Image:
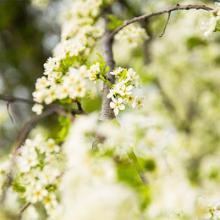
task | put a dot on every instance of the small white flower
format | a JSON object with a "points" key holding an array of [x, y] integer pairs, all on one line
{"points": [[62, 91], [117, 105], [37, 108], [210, 26], [48, 175], [111, 93], [137, 102], [39, 95], [132, 34], [36, 193], [94, 72], [42, 83], [51, 146], [50, 203], [50, 95], [27, 158], [117, 71], [51, 65]]}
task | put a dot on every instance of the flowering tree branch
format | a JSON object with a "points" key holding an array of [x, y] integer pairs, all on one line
{"points": [[166, 11], [24, 132], [27, 128], [107, 112]]}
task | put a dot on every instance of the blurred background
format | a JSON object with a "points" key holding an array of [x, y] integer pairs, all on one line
{"points": [[179, 71], [27, 36]]}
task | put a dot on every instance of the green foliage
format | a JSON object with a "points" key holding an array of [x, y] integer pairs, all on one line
{"points": [[64, 124], [128, 174], [51, 188], [194, 41], [217, 27], [148, 164], [17, 187], [91, 104], [114, 22], [104, 68]]}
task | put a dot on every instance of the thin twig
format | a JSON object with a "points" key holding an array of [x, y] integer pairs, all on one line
{"points": [[169, 10], [79, 105], [165, 26], [10, 113], [12, 99], [22, 210]]}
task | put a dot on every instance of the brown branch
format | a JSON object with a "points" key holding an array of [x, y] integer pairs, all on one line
{"points": [[26, 129], [106, 111], [166, 11], [22, 210], [12, 99], [57, 108]]}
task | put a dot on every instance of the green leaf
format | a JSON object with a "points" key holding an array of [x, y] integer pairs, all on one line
{"points": [[91, 104], [217, 27], [51, 188], [102, 63], [148, 164], [127, 173], [114, 22], [144, 195], [64, 124], [17, 187], [195, 41]]}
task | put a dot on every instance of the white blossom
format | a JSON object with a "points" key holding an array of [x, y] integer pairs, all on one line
{"points": [[117, 105], [37, 108], [132, 34]]}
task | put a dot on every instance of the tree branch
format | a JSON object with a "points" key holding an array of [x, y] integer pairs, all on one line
{"points": [[23, 210], [26, 129], [11, 99], [166, 11], [57, 108], [106, 111]]}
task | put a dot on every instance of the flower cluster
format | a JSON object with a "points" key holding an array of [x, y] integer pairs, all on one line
{"points": [[214, 212], [65, 73], [94, 72], [213, 25], [38, 173], [90, 182], [121, 93], [133, 35], [74, 84], [142, 135], [93, 181]]}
